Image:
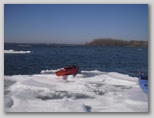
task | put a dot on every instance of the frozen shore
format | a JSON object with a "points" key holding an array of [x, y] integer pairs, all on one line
{"points": [[89, 91]]}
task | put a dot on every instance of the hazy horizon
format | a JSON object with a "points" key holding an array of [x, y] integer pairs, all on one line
{"points": [[74, 23]]}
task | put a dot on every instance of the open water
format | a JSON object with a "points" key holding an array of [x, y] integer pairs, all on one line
{"points": [[126, 60]]}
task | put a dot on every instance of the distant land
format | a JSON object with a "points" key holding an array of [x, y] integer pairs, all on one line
{"points": [[53, 44], [116, 42], [96, 42]]}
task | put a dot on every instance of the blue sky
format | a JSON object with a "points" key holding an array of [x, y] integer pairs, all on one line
{"points": [[74, 23]]}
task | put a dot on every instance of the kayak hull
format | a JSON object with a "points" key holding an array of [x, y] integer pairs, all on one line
{"points": [[144, 85], [71, 70], [143, 82]]}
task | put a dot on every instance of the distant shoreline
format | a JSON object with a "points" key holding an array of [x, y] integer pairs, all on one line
{"points": [[96, 42], [45, 44], [117, 42]]}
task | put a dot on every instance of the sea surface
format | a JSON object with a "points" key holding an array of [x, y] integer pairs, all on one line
{"points": [[28, 59]]}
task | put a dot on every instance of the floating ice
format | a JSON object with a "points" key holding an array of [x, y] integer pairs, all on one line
{"points": [[16, 52], [89, 91]]}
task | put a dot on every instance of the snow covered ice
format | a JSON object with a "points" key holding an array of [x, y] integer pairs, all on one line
{"points": [[89, 91]]}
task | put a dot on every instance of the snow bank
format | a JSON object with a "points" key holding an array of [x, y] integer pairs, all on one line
{"points": [[89, 91], [16, 52]]}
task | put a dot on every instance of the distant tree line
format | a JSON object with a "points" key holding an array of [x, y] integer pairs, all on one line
{"points": [[116, 42]]}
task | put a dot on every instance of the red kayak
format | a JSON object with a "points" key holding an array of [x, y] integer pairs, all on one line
{"points": [[71, 70]]}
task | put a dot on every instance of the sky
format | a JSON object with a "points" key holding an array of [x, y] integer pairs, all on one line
{"points": [[74, 23]]}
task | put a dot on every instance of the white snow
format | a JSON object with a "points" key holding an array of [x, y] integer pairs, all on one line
{"points": [[89, 91], [16, 52]]}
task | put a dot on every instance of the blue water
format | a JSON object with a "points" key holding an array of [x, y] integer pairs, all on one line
{"points": [[126, 60]]}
